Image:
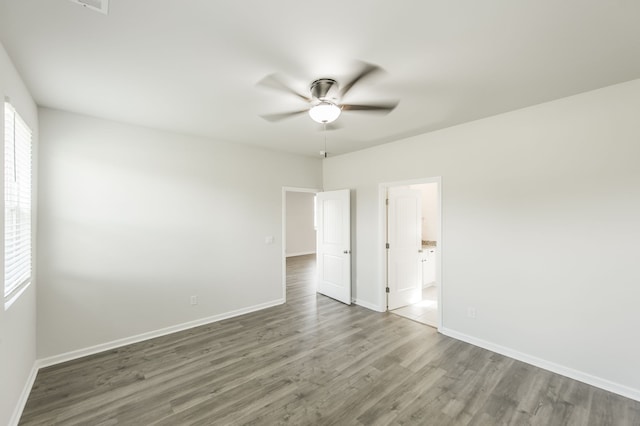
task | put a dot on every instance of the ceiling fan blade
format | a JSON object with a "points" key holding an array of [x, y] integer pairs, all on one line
{"points": [[274, 81], [283, 115], [388, 107], [367, 70]]}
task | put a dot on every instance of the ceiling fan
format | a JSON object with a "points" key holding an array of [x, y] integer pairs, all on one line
{"points": [[325, 97]]}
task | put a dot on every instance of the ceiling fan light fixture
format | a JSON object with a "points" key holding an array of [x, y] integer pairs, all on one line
{"points": [[324, 112]]}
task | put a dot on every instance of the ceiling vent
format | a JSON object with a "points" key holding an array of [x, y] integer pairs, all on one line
{"points": [[101, 6]]}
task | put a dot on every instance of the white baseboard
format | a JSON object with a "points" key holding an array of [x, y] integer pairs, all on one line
{"points": [[547, 365], [302, 253], [22, 401], [368, 305], [68, 356]]}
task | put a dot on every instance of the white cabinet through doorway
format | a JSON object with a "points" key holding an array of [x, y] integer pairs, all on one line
{"points": [[428, 266]]}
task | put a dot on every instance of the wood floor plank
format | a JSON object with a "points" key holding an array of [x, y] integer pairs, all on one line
{"points": [[313, 361]]}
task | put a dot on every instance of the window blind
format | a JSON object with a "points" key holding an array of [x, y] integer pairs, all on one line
{"points": [[17, 201]]}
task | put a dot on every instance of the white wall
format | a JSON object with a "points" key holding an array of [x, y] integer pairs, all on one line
{"points": [[18, 323], [541, 226], [134, 221], [429, 198], [301, 235]]}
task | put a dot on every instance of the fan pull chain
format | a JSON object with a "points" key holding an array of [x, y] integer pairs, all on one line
{"points": [[325, 138]]}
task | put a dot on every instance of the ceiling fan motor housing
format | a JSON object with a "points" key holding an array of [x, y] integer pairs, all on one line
{"points": [[323, 88]]}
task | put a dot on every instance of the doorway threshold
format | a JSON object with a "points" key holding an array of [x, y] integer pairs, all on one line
{"points": [[424, 311]]}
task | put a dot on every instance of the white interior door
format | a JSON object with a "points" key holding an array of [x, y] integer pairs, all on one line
{"points": [[404, 238], [334, 244]]}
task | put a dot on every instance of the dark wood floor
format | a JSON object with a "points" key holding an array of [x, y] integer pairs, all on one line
{"points": [[313, 361]]}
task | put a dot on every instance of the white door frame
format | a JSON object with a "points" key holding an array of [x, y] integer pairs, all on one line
{"points": [[382, 229], [286, 189]]}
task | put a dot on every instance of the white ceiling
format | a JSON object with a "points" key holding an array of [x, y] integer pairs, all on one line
{"points": [[192, 66]]}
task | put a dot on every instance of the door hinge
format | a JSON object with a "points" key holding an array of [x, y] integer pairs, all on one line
{"points": [[387, 245], [387, 289], [386, 201]]}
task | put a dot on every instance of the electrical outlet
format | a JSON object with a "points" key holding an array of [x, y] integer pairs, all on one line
{"points": [[471, 312], [194, 300], [268, 240]]}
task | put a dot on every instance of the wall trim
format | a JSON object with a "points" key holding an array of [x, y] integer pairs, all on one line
{"points": [[302, 253], [571, 373], [69, 356], [24, 396], [368, 305]]}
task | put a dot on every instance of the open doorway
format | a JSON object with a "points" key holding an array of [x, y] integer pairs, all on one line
{"points": [[298, 232], [412, 234]]}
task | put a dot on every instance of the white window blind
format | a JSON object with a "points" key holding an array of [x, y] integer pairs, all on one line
{"points": [[17, 202]]}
